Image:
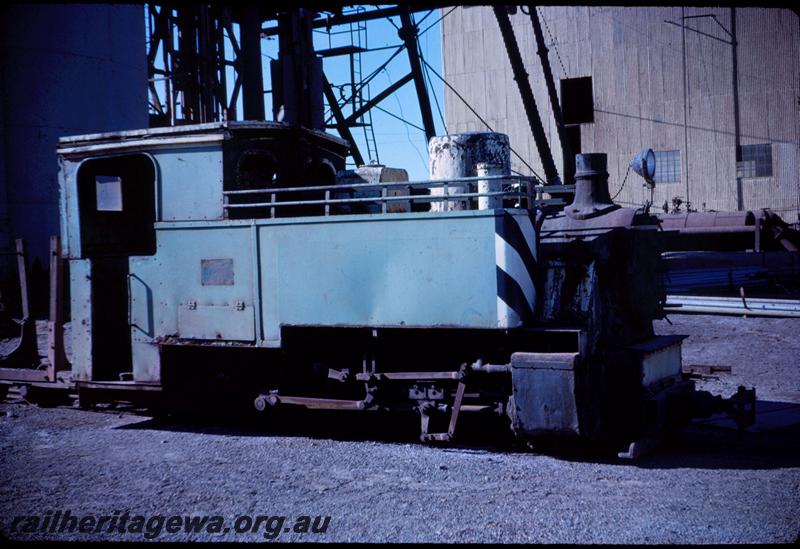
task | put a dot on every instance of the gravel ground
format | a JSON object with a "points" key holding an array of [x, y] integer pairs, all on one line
{"points": [[762, 352], [709, 485]]}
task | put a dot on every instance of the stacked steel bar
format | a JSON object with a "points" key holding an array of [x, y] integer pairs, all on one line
{"points": [[688, 272], [733, 306]]}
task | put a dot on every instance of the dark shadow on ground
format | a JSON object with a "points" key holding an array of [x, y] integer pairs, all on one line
{"points": [[714, 443], [485, 434], [772, 442]]}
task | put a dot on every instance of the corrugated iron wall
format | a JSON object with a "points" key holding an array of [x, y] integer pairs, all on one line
{"points": [[636, 61]]}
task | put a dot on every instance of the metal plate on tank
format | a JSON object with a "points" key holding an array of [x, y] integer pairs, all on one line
{"points": [[216, 272], [225, 322]]}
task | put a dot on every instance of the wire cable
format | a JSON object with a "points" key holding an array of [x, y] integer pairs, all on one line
{"points": [[429, 84], [555, 47], [446, 83], [376, 72], [435, 22], [424, 18], [408, 135], [624, 179], [397, 117]]}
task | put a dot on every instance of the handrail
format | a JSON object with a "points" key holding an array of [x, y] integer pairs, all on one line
{"points": [[514, 187], [413, 184], [382, 199]]}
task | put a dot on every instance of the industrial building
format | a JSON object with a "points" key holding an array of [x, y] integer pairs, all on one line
{"points": [[244, 250], [248, 311], [64, 69], [695, 84]]}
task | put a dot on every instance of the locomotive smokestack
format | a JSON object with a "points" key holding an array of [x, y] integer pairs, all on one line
{"points": [[591, 187]]}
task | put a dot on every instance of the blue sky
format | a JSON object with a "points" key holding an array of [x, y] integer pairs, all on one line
{"points": [[398, 144]]}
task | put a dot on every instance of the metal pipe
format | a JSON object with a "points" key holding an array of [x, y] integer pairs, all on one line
{"points": [[741, 311], [685, 105], [713, 230], [784, 304], [274, 399], [477, 408], [407, 376], [736, 123], [488, 187], [733, 305]]}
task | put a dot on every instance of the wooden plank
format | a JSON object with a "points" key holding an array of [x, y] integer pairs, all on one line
{"points": [[23, 279]]}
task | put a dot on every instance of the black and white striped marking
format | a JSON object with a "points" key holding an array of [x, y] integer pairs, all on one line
{"points": [[515, 257]]}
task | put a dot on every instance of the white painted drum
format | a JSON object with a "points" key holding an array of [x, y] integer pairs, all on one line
{"points": [[458, 155]]}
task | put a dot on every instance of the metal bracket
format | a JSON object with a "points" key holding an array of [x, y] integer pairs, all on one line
{"points": [[339, 375], [425, 392], [425, 410]]}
